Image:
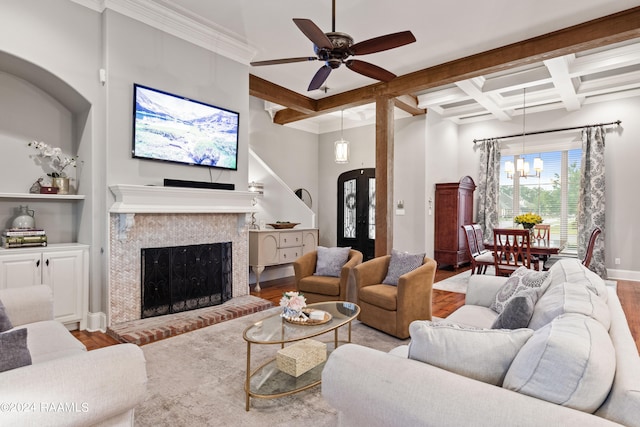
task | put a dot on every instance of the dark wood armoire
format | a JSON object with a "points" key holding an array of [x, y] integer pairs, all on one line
{"points": [[453, 209]]}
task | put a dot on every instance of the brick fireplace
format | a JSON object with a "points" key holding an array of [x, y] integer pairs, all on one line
{"points": [[153, 216]]}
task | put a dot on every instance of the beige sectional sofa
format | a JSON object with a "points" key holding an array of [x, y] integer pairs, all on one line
{"points": [[65, 385], [573, 363]]}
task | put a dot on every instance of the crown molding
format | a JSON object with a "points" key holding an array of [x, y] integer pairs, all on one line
{"points": [[179, 24]]}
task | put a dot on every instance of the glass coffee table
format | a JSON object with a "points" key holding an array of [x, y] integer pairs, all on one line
{"points": [[267, 381]]}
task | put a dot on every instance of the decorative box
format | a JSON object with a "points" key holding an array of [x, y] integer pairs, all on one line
{"points": [[302, 356], [48, 190]]}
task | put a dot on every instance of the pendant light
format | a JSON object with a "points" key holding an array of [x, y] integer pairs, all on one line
{"points": [[522, 167], [341, 147]]}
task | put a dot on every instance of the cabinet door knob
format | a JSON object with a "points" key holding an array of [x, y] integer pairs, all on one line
{"points": [[47, 262], [38, 263]]}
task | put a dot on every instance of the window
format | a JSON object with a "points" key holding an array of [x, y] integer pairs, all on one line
{"points": [[553, 195]]}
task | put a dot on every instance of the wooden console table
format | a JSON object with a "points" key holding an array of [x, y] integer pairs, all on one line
{"points": [[278, 247]]}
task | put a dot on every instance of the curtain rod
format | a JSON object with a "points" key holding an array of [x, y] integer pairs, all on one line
{"points": [[617, 123]]}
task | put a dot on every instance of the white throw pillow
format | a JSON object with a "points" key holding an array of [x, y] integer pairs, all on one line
{"points": [[569, 298], [330, 261], [520, 279], [481, 354], [572, 270], [569, 362]]}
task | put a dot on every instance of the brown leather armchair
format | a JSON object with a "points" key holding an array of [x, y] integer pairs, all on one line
{"points": [[323, 288], [392, 308]]}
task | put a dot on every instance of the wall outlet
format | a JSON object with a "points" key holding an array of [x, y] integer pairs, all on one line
{"points": [[617, 261]]}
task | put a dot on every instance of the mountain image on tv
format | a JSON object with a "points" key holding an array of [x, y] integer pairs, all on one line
{"points": [[172, 128]]}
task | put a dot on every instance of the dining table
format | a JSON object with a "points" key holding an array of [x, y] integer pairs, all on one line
{"points": [[539, 249]]}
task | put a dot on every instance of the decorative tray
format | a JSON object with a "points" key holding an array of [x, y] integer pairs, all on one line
{"points": [[283, 225], [307, 321]]}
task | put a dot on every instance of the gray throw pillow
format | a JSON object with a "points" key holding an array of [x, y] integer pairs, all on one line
{"points": [[5, 322], [331, 260], [517, 311], [522, 278], [401, 263], [14, 351]]}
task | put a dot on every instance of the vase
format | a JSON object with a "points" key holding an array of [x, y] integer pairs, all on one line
{"points": [[62, 184], [25, 218], [529, 227], [290, 313]]}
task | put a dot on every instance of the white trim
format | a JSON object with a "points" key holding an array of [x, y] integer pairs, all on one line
{"points": [[96, 322], [178, 23], [152, 199], [623, 275]]}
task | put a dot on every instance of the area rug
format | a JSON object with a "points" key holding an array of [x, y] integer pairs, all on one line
{"points": [[197, 379], [458, 283]]}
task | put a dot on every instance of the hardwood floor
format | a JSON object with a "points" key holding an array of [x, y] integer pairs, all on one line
{"points": [[444, 303]]}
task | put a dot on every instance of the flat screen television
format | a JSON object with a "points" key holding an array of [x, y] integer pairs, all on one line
{"points": [[176, 129]]}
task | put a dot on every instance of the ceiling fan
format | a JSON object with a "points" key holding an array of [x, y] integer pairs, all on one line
{"points": [[336, 48]]}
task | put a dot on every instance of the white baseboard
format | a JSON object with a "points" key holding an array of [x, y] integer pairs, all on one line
{"points": [[272, 273], [623, 275], [97, 322]]}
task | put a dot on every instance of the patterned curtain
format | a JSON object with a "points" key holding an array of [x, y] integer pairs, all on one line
{"points": [[591, 204], [489, 186]]}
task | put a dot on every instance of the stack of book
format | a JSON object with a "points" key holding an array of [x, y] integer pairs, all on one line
{"points": [[23, 237]]}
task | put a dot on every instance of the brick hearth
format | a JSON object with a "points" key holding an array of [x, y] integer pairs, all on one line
{"points": [[145, 331]]}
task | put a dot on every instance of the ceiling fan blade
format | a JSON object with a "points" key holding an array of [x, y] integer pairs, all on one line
{"points": [[319, 78], [313, 33], [370, 70], [378, 44], [284, 61]]}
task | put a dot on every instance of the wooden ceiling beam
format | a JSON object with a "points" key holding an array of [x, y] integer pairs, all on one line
{"points": [[264, 89], [409, 104], [599, 32]]}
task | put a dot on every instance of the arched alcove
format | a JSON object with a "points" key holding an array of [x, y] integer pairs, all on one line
{"points": [[38, 105]]}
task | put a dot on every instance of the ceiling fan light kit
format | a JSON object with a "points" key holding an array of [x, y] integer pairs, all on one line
{"points": [[336, 48]]}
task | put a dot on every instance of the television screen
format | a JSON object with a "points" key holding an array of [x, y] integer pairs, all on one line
{"points": [[180, 130]]}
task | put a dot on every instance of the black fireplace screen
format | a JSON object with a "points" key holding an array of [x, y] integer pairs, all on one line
{"points": [[182, 278]]}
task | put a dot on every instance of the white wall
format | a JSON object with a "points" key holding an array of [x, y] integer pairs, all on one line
{"points": [[292, 153], [55, 45], [441, 165], [137, 53], [58, 47]]}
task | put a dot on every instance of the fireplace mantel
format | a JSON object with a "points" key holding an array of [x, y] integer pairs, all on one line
{"points": [[131, 199]]}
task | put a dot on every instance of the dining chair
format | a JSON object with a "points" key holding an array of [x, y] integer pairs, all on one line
{"points": [[542, 232], [586, 261], [479, 257], [592, 242], [512, 250]]}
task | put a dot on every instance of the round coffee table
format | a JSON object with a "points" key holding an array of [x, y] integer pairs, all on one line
{"points": [[267, 381]]}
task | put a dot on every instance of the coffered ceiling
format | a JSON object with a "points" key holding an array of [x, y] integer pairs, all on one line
{"points": [[256, 30]]}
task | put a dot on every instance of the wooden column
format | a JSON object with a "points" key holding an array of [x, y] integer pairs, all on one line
{"points": [[384, 175]]}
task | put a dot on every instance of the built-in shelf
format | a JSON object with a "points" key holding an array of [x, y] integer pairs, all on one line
{"points": [[56, 197]]}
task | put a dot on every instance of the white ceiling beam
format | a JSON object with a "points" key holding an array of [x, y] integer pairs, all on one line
{"points": [[440, 97], [473, 88], [606, 60], [517, 80], [559, 70]]}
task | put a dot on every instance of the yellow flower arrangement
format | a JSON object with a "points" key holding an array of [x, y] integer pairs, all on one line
{"points": [[528, 218]]}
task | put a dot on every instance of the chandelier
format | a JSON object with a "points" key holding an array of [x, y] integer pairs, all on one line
{"points": [[341, 147], [522, 167]]}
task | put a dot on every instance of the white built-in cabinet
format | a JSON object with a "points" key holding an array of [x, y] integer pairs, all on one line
{"points": [[277, 247], [63, 267]]}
